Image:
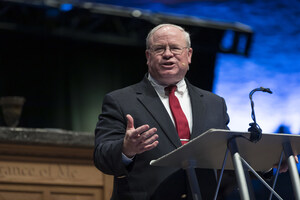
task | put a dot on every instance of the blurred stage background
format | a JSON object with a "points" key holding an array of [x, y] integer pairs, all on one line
{"points": [[272, 61], [63, 56]]}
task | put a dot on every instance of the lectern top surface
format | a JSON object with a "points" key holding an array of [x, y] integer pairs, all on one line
{"points": [[208, 150]]}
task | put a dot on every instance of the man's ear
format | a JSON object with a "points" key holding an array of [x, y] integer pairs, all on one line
{"points": [[147, 53], [190, 53]]}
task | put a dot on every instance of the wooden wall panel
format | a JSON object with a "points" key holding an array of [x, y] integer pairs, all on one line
{"points": [[20, 195], [37, 192], [34, 171], [50, 173]]}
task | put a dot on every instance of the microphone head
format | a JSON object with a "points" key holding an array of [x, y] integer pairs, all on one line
{"points": [[266, 90]]}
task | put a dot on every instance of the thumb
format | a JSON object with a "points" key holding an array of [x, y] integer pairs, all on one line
{"points": [[130, 122]]}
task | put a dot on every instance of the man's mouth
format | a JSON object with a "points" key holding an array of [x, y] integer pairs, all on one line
{"points": [[168, 64]]}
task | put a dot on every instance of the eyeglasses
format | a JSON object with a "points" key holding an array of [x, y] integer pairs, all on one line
{"points": [[159, 50]]}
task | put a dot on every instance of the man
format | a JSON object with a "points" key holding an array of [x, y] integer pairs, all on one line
{"points": [[137, 124]]}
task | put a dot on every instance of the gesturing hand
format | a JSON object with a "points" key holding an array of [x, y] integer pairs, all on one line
{"points": [[138, 140], [284, 166]]}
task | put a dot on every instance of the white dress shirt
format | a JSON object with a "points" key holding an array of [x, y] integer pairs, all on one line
{"points": [[181, 93]]}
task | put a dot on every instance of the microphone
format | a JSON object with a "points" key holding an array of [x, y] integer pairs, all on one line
{"points": [[260, 89], [255, 130], [266, 90]]}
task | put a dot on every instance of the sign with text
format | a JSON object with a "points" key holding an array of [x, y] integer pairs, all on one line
{"points": [[50, 173]]}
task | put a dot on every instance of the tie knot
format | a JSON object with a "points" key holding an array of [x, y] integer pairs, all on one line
{"points": [[171, 88]]}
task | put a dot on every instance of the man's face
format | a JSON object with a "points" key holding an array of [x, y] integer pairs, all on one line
{"points": [[168, 67]]}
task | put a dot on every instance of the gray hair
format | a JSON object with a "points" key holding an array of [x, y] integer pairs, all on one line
{"points": [[150, 34]]}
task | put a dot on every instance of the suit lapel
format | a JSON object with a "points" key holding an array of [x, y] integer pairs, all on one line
{"points": [[198, 110], [147, 95]]}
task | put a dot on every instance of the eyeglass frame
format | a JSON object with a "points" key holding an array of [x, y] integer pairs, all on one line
{"points": [[171, 49]]}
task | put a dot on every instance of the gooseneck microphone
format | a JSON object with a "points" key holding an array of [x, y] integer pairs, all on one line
{"points": [[255, 130]]}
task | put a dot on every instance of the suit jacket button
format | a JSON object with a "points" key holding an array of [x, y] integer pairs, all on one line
{"points": [[123, 176]]}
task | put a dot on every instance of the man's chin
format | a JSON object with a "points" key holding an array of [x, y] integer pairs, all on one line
{"points": [[169, 79]]}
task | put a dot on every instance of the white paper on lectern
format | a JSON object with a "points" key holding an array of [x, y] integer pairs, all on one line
{"points": [[208, 150]]}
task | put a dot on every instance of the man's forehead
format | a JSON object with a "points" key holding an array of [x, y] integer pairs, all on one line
{"points": [[167, 29], [169, 34], [170, 42]]}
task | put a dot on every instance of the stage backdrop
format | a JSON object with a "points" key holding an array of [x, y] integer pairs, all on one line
{"points": [[273, 62]]}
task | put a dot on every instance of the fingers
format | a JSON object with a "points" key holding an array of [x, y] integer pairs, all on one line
{"points": [[150, 143], [147, 141], [147, 136], [130, 122], [142, 129], [138, 143], [283, 169], [130, 127], [150, 146], [284, 166], [138, 140]]}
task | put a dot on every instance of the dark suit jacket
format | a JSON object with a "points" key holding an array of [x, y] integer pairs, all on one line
{"points": [[139, 180]]}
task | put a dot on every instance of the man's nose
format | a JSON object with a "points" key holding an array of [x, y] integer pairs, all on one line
{"points": [[168, 52]]}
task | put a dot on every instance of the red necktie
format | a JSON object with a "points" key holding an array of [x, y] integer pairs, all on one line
{"points": [[182, 125]]}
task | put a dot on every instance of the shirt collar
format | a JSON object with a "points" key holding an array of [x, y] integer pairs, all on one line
{"points": [[181, 86]]}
